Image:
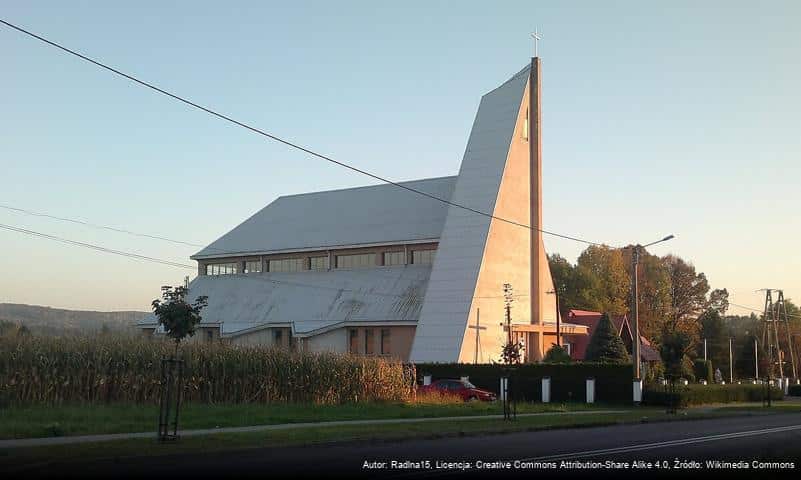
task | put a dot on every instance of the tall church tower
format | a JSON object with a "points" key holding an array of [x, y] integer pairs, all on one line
{"points": [[501, 174]]}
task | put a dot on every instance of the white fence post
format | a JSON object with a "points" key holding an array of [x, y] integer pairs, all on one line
{"points": [[546, 389], [637, 390], [703, 382], [504, 388], [590, 390], [426, 379]]}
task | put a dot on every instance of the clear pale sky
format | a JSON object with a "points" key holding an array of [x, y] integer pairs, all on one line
{"points": [[670, 117]]}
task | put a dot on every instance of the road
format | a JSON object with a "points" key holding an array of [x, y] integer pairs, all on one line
{"points": [[749, 438]]}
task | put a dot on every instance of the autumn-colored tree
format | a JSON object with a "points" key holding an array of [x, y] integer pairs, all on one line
{"points": [[606, 267], [653, 285], [688, 297]]}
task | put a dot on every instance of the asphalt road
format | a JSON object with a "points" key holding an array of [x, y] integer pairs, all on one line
{"points": [[750, 439]]}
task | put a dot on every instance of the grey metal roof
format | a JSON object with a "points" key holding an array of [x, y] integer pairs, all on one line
{"points": [[310, 300], [354, 216]]}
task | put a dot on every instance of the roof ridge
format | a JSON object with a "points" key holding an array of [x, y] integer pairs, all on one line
{"points": [[513, 77], [404, 182]]}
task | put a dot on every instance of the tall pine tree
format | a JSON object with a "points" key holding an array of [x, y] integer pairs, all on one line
{"points": [[605, 345]]}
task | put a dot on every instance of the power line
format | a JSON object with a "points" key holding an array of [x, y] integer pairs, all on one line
{"points": [[760, 310], [94, 225], [97, 247], [137, 256], [279, 139]]}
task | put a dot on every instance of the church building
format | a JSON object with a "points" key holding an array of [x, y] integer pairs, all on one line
{"points": [[381, 270]]}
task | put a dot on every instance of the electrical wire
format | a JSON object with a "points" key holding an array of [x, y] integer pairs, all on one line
{"points": [[137, 256], [282, 140], [96, 247]]}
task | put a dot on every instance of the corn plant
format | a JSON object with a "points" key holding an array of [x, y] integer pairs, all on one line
{"points": [[68, 370]]}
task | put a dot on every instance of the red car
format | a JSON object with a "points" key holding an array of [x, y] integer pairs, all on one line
{"points": [[461, 388]]}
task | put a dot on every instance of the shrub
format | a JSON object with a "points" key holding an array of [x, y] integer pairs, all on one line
{"points": [[557, 354], [794, 390], [686, 395], [127, 369], [703, 370]]}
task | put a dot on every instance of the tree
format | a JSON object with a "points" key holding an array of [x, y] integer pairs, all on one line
{"points": [[688, 291], [576, 287], [512, 353], [675, 346], [23, 331], [178, 317], [557, 354], [653, 285], [719, 300], [605, 266], [605, 344], [8, 328], [714, 331]]}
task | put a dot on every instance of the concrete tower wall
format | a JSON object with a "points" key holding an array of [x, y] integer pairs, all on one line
{"points": [[442, 327]]}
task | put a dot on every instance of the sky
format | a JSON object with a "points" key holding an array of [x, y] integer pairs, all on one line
{"points": [[658, 118]]}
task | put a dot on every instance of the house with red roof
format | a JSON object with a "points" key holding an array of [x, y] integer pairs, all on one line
{"points": [[578, 344]]}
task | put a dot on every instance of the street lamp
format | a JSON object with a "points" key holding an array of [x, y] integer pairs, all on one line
{"points": [[635, 341]]}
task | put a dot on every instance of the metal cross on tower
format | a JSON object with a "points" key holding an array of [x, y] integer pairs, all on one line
{"points": [[537, 36]]}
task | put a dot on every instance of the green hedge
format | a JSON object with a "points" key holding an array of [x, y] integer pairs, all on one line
{"points": [[613, 382], [794, 390], [686, 395]]}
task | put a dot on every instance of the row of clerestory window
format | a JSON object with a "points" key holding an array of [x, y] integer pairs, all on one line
{"points": [[347, 261]]}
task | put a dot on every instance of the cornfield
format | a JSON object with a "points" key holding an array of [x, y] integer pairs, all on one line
{"points": [[54, 371]]}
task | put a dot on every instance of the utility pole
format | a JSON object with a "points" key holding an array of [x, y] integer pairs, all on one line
{"points": [[705, 349], [635, 308], [558, 329], [756, 359], [783, 313], [507, 300], [770, 339], [731, 365]]}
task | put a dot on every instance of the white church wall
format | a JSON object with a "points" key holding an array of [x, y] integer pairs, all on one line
{"points": [[452, 285]]}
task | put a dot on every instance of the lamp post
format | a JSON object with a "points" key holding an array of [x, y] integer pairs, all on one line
{"points": [[635, 341]]}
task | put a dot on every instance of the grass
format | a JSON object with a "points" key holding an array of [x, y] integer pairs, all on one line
{"points": [[312, 435], [42, 421], [220, 442]]}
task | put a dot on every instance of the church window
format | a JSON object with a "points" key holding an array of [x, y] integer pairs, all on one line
{"points": [[221, 269], [525, 127], [368, 342], [423, 257], [319, 263], [361, 260], [353, 341], [253, 266], [287, 265], [385, 341], [394, 258]]}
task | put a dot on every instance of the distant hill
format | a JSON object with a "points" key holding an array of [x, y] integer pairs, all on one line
{"points": [[56, 321]]}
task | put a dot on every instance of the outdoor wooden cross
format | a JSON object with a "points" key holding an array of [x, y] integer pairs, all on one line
{"points": [[477, 327]]}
